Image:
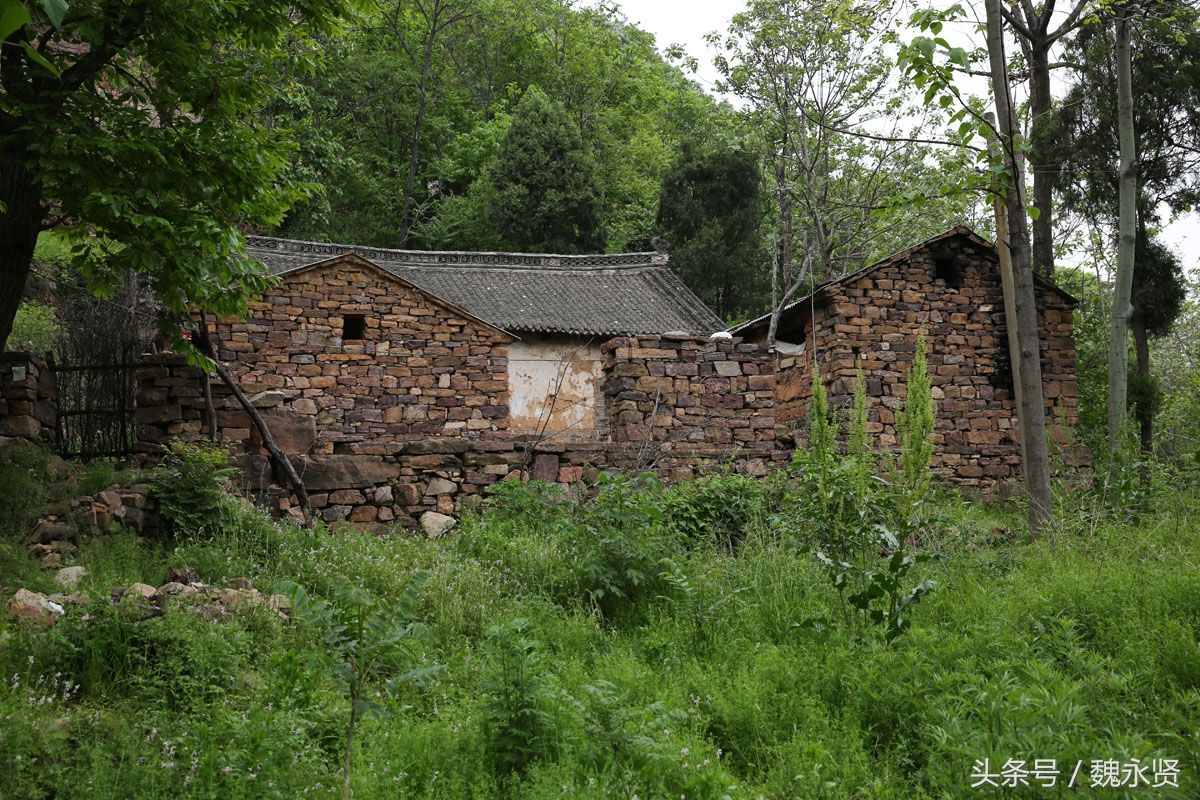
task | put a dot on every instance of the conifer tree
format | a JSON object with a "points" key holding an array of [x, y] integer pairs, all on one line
{"points": [[544, 182]]}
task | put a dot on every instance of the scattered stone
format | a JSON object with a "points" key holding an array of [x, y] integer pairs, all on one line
{"points": [[47, 531], [69, 577], [112, 499], [34, 608], [142, 590], [436, 525], [51, 561]]}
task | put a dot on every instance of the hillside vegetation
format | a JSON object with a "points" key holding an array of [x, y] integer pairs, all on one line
{"points": [[689, 641]]}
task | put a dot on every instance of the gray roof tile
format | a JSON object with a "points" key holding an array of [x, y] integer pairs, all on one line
{"points": [[593, 295]]}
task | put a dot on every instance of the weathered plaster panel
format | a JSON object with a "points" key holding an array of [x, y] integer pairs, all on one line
{"points": [[554, 381]]}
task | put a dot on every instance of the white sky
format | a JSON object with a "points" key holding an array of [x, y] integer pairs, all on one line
{"points": [[686, 22]]}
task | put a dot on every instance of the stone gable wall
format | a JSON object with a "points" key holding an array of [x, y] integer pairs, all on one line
{"points": [[420, 370], [872, 323]]}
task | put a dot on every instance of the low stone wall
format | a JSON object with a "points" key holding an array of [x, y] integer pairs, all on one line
{"points": [[28, 399]]}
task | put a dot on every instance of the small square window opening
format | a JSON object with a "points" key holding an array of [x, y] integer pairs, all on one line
{"points": [[353, 326], [947, 270]]}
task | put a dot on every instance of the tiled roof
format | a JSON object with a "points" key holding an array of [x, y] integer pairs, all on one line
{"points": [[759, 325], [593, 295]]}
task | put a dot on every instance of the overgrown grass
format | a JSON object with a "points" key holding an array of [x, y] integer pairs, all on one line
{"points": [[643, 643]]}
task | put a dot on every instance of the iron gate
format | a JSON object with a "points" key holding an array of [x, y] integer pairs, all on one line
{"points": [[100, 341]]}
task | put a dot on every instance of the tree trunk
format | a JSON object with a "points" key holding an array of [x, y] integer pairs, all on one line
{"points": [[1118, 341], [1044, 175], [783, 262], [20, 222], [1031, 411], [1141, 345], [410, 178]]}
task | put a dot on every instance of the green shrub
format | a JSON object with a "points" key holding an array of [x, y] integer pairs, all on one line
{"points": [[34, 329], [520, 699], [367, 640], [715, 510], [621, 541], [191, 487]]}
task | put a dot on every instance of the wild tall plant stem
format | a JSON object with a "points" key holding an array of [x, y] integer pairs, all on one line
{"points": [[349, 755]]}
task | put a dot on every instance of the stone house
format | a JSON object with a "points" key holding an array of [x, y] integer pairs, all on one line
{"points": [[948, 286], [403, 384], [556, 309]]}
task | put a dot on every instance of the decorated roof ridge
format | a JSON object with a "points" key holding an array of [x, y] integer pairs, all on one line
{"points": [[899, 255], [463, 258]]}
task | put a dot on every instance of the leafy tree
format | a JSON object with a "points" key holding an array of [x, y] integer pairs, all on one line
{"points": [[134, 122], [1143, 110], [816, 78], [386, 155], [1166, 88], [710, 210], [544, 179]]}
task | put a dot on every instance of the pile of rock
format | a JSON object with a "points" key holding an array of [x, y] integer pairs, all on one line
{"points": [[52, 537], [182, 585]]}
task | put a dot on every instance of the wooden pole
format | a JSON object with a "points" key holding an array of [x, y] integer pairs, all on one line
{"points": [[277, 456]]}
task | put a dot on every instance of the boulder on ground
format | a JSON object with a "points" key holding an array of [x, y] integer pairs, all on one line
{"points": [[69, 577], [436, 525], [33, 607], [142, 590], [47, 531]]}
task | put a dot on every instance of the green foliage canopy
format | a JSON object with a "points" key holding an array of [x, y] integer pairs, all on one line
{"points": [[137, 122], [710, 210]]}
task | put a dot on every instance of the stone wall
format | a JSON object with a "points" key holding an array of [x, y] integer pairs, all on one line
{"points": [[716, 411], [682, 389], [28, 399], [872, 322]]}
